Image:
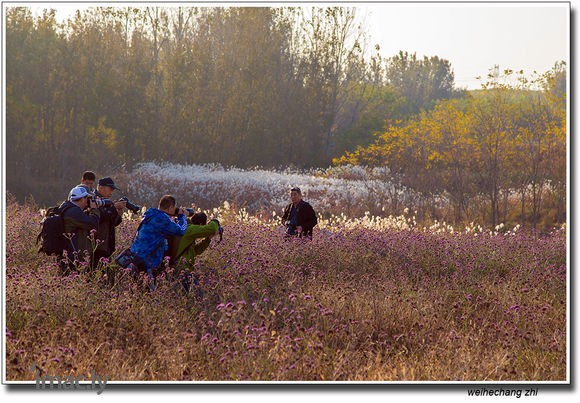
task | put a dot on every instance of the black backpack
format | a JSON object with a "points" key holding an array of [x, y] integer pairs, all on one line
{"points": [[51, 237]]}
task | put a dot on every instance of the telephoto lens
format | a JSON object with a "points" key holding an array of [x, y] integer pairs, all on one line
{"points": [[101, 201]]}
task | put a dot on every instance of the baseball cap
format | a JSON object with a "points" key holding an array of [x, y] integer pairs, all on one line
{"points": [[89, 189], [78, 192], [108, 182]]}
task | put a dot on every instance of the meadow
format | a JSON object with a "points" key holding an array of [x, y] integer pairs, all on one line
{"points": [[368, 299]]}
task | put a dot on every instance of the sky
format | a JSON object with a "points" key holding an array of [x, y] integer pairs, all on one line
{"points": [[476, 37], [473, 37]]}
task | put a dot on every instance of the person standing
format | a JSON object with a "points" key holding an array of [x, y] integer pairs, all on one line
{"points": [[111, 217], [299, 216]]}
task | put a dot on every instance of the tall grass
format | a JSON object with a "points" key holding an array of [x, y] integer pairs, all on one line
{"points": [[358, 302], [349, 190]]}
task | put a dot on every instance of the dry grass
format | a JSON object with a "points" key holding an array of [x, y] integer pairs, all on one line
{"points": [[361, 304]]}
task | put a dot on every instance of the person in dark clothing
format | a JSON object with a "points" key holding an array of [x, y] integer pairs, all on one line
{"points": [[78, 225], [111, 217], [299, 216]]}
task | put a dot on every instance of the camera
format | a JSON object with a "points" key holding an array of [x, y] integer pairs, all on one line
{"points": [[290, 228], [130, 206], [101, 201], [189, 211]]}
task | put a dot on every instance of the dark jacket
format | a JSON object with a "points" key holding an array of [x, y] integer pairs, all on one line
{"points": [[151, 243], [306, 217], [79, 224], [110, 218]]}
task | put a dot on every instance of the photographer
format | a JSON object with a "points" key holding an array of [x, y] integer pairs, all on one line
{"points": [[157, 224], [299, 216], [197, 229], [111, 217], [188, 248], [79, 224]]}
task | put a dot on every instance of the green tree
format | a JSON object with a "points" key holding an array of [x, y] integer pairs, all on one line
{"points": [[420, 81]]}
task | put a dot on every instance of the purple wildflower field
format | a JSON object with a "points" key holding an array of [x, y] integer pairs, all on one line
{"points": [[356, 303]]}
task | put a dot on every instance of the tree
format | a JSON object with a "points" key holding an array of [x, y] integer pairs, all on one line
{"points": [[451, 149], [554, 86], [501, 138], [420, 81], [331, 68]]}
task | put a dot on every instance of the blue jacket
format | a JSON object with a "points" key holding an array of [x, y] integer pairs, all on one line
{"points": [[151, 243]]}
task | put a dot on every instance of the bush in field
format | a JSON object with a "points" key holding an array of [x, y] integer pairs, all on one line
{"points": [[351, 190], [356, 303]]}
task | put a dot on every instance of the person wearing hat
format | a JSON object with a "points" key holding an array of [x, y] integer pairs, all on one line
{"points": [[111, 217], [79, 224], [299, 216]]}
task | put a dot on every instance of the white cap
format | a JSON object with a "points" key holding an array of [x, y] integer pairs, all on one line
{"points": [[78, 192]]}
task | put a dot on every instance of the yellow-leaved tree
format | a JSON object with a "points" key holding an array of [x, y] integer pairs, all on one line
{"points": [[505, 139]]}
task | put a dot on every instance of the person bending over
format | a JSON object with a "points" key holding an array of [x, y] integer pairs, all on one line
{"points": [[156, 226], [189, 247]]}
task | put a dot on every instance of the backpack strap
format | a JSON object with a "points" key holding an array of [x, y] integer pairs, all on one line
{"points": [[65, 208]]}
